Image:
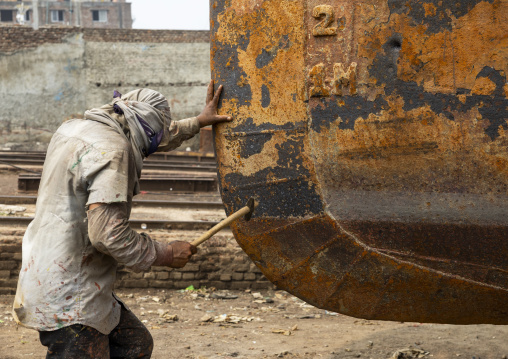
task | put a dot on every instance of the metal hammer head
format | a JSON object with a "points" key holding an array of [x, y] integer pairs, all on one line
{"points": [[252, 204]]}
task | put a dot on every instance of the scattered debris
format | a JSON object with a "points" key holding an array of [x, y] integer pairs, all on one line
{"points": [[281, 295], [282, 331], [165, 317], [260, 299], [310, 316], [364, 322], [285, 331], [263, 301], [305, 305], [233, 355], [206, 318], [228, 318], [223, 295], [409, 353], [199, 295]]}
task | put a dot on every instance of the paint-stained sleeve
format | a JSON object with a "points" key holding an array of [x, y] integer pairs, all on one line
{"points": [[110, 233], [109, 176], [179, 131]]}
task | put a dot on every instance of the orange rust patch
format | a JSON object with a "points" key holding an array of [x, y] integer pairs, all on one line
{"points": [[483, 86], [430, 9], [446, 60]]}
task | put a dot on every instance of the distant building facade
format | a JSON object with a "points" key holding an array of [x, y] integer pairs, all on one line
{"points": [[112, 14]]}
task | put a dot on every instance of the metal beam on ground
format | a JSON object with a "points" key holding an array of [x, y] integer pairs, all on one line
{"points": [[29, 183], [143, 224]]}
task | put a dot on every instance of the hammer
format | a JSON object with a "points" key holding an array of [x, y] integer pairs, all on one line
{"points": [[245, 211]]}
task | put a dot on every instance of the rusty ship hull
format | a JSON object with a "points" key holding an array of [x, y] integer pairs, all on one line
{"points": [[374, 135]]}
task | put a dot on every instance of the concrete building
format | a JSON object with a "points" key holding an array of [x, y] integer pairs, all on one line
{"points": [[56, 73], [112, 14]]}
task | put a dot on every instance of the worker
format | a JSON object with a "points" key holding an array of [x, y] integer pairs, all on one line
{"points": [[80, 232]]}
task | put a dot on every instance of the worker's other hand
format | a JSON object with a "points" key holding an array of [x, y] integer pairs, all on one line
{"points": [[182, 251], [176, 254], [209, 114]]}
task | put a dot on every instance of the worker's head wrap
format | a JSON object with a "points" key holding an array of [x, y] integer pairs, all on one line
{"points": [[144, 117]]}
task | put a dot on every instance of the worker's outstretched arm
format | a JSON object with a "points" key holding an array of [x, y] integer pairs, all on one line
{"points": [[110, 233]]}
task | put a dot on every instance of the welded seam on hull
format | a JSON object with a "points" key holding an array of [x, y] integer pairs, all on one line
{"points": [[306, 261], [276, 181], [263, 132], [440, 260], [397, 260]]}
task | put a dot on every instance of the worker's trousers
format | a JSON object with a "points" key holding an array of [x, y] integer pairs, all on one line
{"points": [[130, 339]]}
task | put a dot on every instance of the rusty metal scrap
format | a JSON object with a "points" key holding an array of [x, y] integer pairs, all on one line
{"points": [[374, 133]]}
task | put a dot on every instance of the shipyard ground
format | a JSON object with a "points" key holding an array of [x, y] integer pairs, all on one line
{"points": [[271, 324]]}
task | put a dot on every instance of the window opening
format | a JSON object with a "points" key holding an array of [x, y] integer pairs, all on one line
{"points": [[6, 16], [57, 16], [100, 15]]}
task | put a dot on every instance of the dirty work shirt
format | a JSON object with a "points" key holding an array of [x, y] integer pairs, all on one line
{"points": [[64, 279]]}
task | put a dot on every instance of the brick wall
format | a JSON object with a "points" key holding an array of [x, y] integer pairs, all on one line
{"points": [[150, 36], [15, 38], [220, 263], [10, 260]]}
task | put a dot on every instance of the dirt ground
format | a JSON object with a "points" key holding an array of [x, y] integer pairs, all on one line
{"points": [[272, 324]]}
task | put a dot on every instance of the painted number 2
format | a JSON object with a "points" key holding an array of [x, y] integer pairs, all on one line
{"points": [[323, 28]]}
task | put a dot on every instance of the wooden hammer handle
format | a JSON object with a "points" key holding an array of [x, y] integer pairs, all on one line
{"points": [[242, 212]]}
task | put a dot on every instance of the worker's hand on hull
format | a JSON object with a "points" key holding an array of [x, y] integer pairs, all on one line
{"points": [[209, 114], [175, 255]]}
